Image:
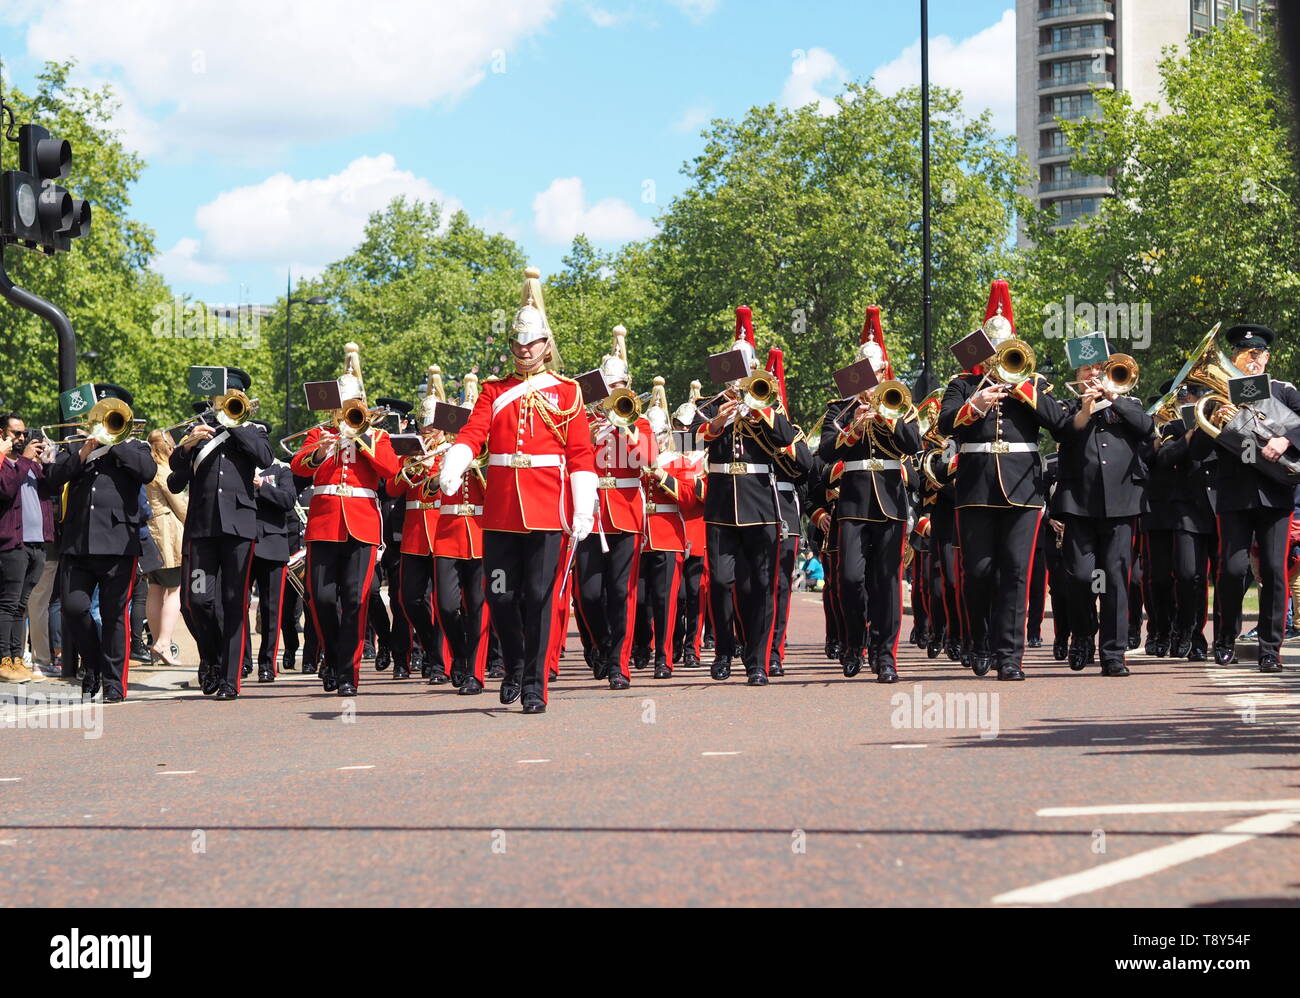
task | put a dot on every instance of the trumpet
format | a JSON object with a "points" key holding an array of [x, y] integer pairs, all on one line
{"points": [[109, 422]]}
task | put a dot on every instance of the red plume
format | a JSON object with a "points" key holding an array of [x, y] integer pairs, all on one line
{"points": [[745, 326], [776, 368], [1000, 301], [872, 332]]}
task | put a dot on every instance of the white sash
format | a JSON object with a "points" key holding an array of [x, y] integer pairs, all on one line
{"points": [[536, 383], [97, 453], [208, 448]]}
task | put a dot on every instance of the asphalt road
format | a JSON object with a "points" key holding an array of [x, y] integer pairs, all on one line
{"points": [[1181, 784]]}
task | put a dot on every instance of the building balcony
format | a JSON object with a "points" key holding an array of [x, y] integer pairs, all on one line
{"points": [[1077, 187], [1090, 46], [1078, 12], [1049, 118], [1074, 83]]}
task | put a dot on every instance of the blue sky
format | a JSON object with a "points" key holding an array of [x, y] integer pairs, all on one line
{"points": [[273, 127]]}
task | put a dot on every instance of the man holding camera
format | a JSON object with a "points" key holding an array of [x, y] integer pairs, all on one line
{"points": [[26, 523]]}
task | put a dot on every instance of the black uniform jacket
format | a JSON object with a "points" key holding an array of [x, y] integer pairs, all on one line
{"points": [[1187, 483], [221, 483], [745, 498], [1239, 486], [867, 494], [275, 498], [103, 502], [993, 478], [1102, 470]]}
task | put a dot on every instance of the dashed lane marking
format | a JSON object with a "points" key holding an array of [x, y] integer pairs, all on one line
{"points": [[343, 768]]}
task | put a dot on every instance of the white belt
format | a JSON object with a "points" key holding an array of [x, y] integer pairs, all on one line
{"points": [[872, 464], [463, 509], [606, 482], [661, 507], [739, 468], [998, 447], [415, 504], [345, 491], [527, 460], [785, 486]]}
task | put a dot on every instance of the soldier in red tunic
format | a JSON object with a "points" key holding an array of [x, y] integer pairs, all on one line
{"points": [[346, 464], [540, 497], [689, 461]]}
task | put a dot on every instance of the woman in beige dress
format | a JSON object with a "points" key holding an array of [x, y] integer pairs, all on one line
{"points": [[167, 525]]}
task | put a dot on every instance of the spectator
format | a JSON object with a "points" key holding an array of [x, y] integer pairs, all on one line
{"points": [[166, 525], [26, 523], [816, 575]]}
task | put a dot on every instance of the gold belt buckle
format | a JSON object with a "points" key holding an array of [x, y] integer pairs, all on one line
{"points": [[521, 461], [738, 468], [343, 491], [607, 482], [465, 509], [650, 507], [1000, 447], [875, 464]]}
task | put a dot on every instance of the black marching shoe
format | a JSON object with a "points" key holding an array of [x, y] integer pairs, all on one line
{"points": [[1011, 673], [1034, 641], [1268, 662], [382, 658], [832, 649], [247, 670], [227, 693], [708, 643], [1060, 649], [511, 687], [1114, 669], [1224, 656], [459, 673], [677, 656], [401, 670], [265, 676], [288, 663], [690, 660], [497, 671], [662, 671], [981, 663], [1197, 653], [618, 681], [117, 696], [209, 681], [887, 673], [534, 704], [721, 668], [346, 689], [1180, 645], [933, 648], [89, 686], [470, 687], [640, 658], [1080, 655], [436, 676], [756, 677], [328, 679], [851, 664], [775, 669], [1134, 638], [953, 650]]}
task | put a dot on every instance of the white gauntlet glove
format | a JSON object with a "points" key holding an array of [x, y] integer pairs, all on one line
{"points": [[454, 463], [583, 485]]}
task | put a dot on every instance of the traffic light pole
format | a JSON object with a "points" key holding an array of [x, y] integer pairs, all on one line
{"points": [[52, 314]]}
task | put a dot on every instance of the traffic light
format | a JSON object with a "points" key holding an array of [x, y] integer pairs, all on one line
{"points": [[35, 211]]}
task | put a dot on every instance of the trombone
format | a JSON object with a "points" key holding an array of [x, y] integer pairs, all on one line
{"points": [[1119, 376], [622, 407], [109, 422], [349, 422], [231, 410], [1011, 363], [757, 391]]}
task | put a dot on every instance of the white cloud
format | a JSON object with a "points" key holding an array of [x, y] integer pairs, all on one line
{"points": [[561, 212], [607, 18], [696, 10], [694, 118], [179, 265], [982, 66], [812, 72], [306, 223], [227, 77]]}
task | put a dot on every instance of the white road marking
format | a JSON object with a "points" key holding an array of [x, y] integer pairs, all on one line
{"points": [[1151, 860], [526, 761], [342, 768], [177, 772], [1192, 808], [719, 753]]}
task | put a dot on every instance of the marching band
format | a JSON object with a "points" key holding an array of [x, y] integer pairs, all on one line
{"points": [[546, 496]]}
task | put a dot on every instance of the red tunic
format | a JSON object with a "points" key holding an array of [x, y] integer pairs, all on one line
{"points": [[521, 497], [691, 467], [422, 499], [338, 517], [460, 525], [619, 459], [667, 508]]}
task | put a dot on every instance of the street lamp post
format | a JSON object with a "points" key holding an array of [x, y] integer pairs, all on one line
{"points": [[289, 302], [926, 375]]}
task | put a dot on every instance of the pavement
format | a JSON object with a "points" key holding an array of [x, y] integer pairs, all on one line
{"points": [[1179, 785]]}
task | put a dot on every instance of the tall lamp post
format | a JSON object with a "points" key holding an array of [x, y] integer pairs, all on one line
{"points": [[289, 302], [925, 382]]}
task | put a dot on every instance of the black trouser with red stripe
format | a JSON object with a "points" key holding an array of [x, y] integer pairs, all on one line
{"points": [[522, 575], [1158, 582], [1191, 561], [997, 548], [462, 611], [339, 574], [784, 579], [1098, 558], [607, 593], [1038, 582], [871, 584], [1269, 528], [415, 577], [104, 650], [742, 563], [832, 605], [660, 574], [268, 577], [214, 600], [690, 608]]}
